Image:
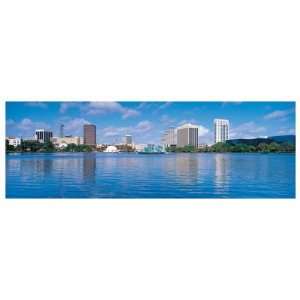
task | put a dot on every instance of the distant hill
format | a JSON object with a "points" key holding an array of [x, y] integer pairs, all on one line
{"points": [[291, 139]]}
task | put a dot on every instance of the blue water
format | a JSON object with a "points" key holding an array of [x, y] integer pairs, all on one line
{"points": [[129, 175]]}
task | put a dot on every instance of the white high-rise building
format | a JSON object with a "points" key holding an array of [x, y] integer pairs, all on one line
{"points": [[169, 138], [61, 134], [128, 139], [221, 127], [42, 135], [187, 134]]}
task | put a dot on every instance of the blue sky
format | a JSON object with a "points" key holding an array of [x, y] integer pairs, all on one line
{"points": [[146, 121]]}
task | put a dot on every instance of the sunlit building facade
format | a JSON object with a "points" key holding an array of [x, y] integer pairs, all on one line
{"points": [[221, 128], [43, 136], [169, 137], [89, 134], [187, 135], [128, 139]]}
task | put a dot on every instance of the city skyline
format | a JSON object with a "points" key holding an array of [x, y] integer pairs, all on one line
{"points": [[147, 121]]}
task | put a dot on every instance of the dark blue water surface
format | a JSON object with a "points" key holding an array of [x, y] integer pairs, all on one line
{"points": [[129, 175]]}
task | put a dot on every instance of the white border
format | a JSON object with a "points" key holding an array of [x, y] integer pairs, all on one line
{"points": [[138, 50]]}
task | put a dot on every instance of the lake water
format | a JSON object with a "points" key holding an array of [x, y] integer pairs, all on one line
{"points": [[129, 175]]}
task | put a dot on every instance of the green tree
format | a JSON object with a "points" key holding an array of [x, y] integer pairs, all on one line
{"points": [[263, 147], [221, 147], [274, 147], [31, 145], [77, 148], [286, 147], [8, 147], [48, 147]]}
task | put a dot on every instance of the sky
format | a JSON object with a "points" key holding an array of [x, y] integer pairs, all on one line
{"points": [[146, 121]]}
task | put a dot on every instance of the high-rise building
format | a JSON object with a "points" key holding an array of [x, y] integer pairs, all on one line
{"points": [[89, 134], [221, 128], [43, 136], [61, 131], [169, 138], [128, 139], [187, 134]]}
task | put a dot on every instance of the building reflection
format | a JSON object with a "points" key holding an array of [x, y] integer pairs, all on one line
{"points": [[89, 167], [13, 163], [41, 167], [222, 168], [183, 168]]}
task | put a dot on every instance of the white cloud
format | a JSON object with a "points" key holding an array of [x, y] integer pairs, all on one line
{"points": [[64, 106], [100, 108], [25, 128], [143, 105], [37, 104], [167, 120], [28, 125], [25, 124], [130, 113], [165, 105], [285, 131], [291, 131], [114, 131], [143, 126], [202, 131], [10, 122], [246, 130], [192, 121], [75, 126], [278, 114], [138, 131], [95, 108]]}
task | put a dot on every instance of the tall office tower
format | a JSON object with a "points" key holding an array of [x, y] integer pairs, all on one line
{"points": [[221, 130], [62, 130], [169, 137], [43, 136], [128, 139], [187, 134], [89, 134]]}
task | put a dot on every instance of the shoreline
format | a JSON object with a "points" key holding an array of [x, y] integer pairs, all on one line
{"points": [[228, 152]]}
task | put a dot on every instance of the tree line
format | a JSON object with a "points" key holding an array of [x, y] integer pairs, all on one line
{"points": [[227, 147], [35, 146]]}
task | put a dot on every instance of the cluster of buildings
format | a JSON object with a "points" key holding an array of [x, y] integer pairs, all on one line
{"points": [[89, 137], [187, 134], [184, 135]]}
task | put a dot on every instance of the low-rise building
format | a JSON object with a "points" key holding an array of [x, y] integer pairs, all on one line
{"points": [[67, 140], [111, 149], [140, 147], [202, 146], [14, 141]]}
